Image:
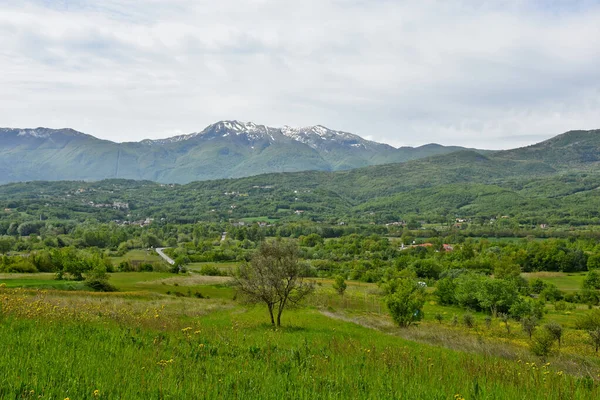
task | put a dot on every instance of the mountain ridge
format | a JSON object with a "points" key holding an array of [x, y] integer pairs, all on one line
{"points": [[225, 149]]}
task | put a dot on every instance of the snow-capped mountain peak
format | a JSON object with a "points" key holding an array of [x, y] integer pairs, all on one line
{"points": [[40, 133], [315, 136]]}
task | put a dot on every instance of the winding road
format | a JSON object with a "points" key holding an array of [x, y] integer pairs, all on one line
{"points": [[165, 257]]}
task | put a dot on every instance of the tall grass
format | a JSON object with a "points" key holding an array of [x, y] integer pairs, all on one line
{"points": [[233, 354]]}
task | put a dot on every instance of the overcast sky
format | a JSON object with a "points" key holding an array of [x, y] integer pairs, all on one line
{"points": [[488, 74]]}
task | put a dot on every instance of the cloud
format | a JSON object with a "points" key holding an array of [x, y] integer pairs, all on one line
{"points": [[492, 74]]}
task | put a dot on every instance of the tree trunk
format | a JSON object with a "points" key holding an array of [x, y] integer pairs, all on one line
{"points": [[280, 311], [270, 306]]}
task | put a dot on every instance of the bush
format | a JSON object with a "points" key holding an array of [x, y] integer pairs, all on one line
{"points": [[146, 267], [592, 280], [339, 285], [469, 320], [551, 293], [444, 291], [537, 285], [211, 270], [542, 343], [595, 337], [125, 266], [589, 321], [22, 266], [488, 321], [100, 285]]}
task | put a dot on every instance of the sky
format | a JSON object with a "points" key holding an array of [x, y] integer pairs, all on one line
{"points": [[479, 73]]}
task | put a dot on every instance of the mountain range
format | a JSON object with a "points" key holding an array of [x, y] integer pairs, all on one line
{"points": [[233, 149], [555, 181], [226, 149]]}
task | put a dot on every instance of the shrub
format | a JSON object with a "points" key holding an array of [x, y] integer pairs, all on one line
{"points": [[555, 329], [439, 317], [146, 267], [560, 305], [504, 318], [542, 343], [595, 337], [537, 285], [469, 320], [488, 321], [592, 280], [455, 320], [211, 270], [444, 290], [589, 321], [21, 266], [97, 279], [339, 285], [551, 293], [100, 285], [125, 266]]}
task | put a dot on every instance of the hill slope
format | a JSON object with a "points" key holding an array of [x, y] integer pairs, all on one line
{"points": [[573, 149], [463, 183]]}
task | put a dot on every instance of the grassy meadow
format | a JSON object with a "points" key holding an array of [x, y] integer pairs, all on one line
{"points": [[146, 342]]}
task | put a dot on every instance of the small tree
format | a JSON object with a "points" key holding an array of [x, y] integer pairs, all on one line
{"points": [[406, 301], [592, 280], [504, 318], [97, 279], [529, 324], [555, 329], [496, 294], [595, 336], [6, 244], [339, 285], [439, 317], [541, 343], [488, 321], [469, 320], [537, 285], [274, 276]]}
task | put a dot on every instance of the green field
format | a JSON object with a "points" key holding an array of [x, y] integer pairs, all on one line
{"points": [[564, 281], [41, 280], [225, 267], [146, 342], [137, 255], [235, 354]]}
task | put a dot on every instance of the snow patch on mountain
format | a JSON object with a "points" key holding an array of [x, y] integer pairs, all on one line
{"points": [[314, 136], [40, 133]]}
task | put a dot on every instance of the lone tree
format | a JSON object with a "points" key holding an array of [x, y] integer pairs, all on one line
{"points": [[555, 330], [595, 336], [405, 301], [529, 324], [274, 276]]}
